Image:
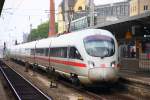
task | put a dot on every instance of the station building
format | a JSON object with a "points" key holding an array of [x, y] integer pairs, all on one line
{"points": [[111, 12], [139, 6], [68, 9], [80, 14]]}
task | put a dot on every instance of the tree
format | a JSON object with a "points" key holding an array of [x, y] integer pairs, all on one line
{"points": [[41, 31]]}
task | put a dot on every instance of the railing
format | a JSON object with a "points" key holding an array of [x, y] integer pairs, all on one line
{"points": [[144, 62]]}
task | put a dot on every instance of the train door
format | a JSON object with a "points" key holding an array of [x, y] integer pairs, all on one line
{"points": [[74, 63], [75, 57]]}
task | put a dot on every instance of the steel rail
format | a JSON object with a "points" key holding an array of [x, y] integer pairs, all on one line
{"points": [[24, 79]]}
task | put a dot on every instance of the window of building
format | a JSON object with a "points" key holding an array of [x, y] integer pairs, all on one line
{"points": [[132, 9], [145, 7], [103, 12], [118, 10], [106, 11], [80, 8], [114, 11], [109, 11], [126, 10], [74, 53], [122, 10]]}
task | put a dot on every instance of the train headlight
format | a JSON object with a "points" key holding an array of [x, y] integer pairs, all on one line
{"points": [[91, 64], [113, 64]]}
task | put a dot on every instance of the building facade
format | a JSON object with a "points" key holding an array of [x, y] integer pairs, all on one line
{"points": [[80, 5], [70, 10], [112, 12], [61, 21], [64, 11], [139, 6], [102, 13]]}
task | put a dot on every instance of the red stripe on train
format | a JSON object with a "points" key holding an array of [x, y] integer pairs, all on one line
{"points": [[71, 63]]}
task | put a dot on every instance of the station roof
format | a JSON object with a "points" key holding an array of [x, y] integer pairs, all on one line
{"points": [[1, 5], [142, 17], [120, 27]]}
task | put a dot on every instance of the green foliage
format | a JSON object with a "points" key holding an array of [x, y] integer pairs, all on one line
{"points": [[41, 31], [56, 27]]}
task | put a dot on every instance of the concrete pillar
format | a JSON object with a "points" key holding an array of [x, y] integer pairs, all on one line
{"points": [[91, 4]]}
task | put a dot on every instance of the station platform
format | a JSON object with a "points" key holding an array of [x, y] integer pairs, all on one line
{"points": [[130, 71], [137, 76]]}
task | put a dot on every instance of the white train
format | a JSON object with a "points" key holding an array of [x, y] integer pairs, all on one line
{"points": [[88, 56]]}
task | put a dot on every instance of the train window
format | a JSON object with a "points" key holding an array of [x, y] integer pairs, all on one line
{"points": [[99, 46], [32, 52], [39, 51], [63, 52], [74, 53], [46, 51], [59, 52]]}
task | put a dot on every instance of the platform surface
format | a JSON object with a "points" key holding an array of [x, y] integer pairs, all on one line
{"points": [[2, 92]]}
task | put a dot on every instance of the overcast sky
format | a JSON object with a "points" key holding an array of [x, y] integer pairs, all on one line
{"points": [[17, 15]]}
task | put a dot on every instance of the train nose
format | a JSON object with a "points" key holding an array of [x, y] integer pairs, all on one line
{"points": [[102, 74]]}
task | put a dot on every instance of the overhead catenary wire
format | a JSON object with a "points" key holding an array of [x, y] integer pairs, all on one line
{"points": [[13, 13]]}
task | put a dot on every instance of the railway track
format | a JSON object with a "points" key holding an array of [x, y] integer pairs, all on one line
{"points": [[136, 82], [117, 92], [100, 93], [21, 87], [137, 87]]}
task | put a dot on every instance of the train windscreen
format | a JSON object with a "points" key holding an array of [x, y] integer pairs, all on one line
{"points": [[99, 46]]}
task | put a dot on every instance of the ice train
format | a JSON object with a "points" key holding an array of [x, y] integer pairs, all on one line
{"points": [[88, 56]]}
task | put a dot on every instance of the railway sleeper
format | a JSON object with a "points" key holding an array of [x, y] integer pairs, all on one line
{"points": [[53, 77]]}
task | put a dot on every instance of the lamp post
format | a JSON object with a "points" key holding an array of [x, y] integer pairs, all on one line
{"points": [[91, 4]]}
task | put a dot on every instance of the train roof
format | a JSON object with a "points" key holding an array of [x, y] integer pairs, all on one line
{"points": [[73, 38]]}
